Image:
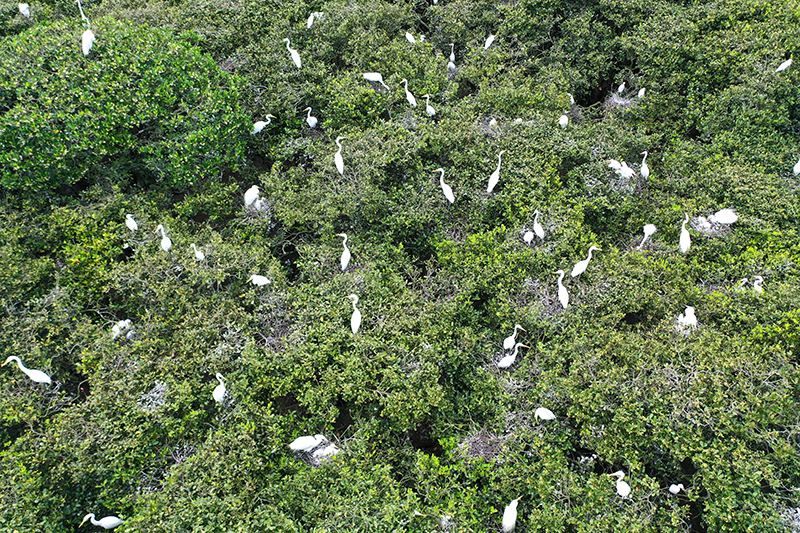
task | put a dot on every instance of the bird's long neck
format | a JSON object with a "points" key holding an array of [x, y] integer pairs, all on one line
{"points": [[309, 112], [589, 258], [94, 521], [536, 217], [19, 364], [499, 160], [287, 45]]}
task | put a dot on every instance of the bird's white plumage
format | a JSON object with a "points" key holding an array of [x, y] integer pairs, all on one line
{"points": [[376, 77], [410, 97], [428, 107], [25, 10], [345, 253], [310, 21], [757, 282], [121, 326], [509, 360], [544, 414], [355, 319], [796, 168], [675, 489], [489, 40], [452, 52], [621, 88], [325, 452], [251, 195], [537, 228], [510, 516], [648, 230], [131, 223], [614, 164], [107, 522], [644, 170], [198, 254], [258, 281], [581, 266], [623, 489], [685, 241], [451, 65], [87, 41], [293, 53], [446, 189], [783, 66], [306, 443], [725, 216], [219, 390], [641, 92], [625, 171], [37, 376], [686, 321], [261, 124], [508, 342], [311, 121], [495, 177], [410, 38], [166, 243], [337, 157], [563, 121], [528, 237], [563, 295]]}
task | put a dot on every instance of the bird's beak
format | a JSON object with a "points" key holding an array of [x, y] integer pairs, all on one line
{"points": [[84, 521]]}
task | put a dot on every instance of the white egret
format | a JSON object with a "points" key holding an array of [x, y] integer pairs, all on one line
{"points": [[355, 320], [644, 170], [544, 414], [337, 157], [346, 253], [528, 237], [219, 390], [428, 107], [410, 38], [783, 66], [742, 283], [131, 223], [293, 53], [261, 124], [306, 443], [489, 41], [508, 342], [107, 522], [621, 88], [614, 164], [563, 120], [409, 96], [312, 121], [446, 189], [685, 241], [757, 282], [25, 10], [571, 99], [198, 254], [258, 280], [537, 228], [580, 266], [452, 53], [323, 453], [623, 489], [166, 243], [686, 321], [510, 516], [87, 40], [641, 92], [119, 327], [495, 177], [724, 216], [796, 168], [310, 21], [376, 77], [675, 489], [648, 230], [36, 376], [625, 171], [251, 195], [451, 65], [563, 295]]}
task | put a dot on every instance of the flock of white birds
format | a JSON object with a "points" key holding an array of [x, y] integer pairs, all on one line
{"points": [[318, 446]]}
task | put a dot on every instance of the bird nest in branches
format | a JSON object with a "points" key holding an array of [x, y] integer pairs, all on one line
{"points": [[618, 101], [482, 445]]}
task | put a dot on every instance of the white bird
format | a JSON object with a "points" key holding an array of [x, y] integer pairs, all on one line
{"points": [[783, 66], [757, 282], [131, 223], [687, 320], [495, 177], [410, 38], [346, 253], [528, 237], [641, 92], [648, 230], [614, 164], [310, 21], [563, 120], [742, 283], [251, 195], [198, 254], [489, 41], [571, 99], [337, 157], [623, 489], [293, 53], [25, 10], [796, 168], [563, 295], [376, 77], [446, 189], [510, 516], [409, 96], [108, 522], [625, 171], [166, 243], [312, 121], [219, 390], [119, 327], [580, 266], [508, 342], [258, 281], [621, 88], [355, 320], [724, 216], [87, 40], [544, 414], [428, 107], [451, 65], [452, 53], [36, 376], [261, 124], [644, 170], [306, 443], [323, 453], [675, 489], [685, 241]]}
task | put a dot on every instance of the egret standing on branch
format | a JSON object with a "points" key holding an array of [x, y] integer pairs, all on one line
{"points": [[510, 516], [355, 320], [685, 241], [544, 414], [346, 253], [508, 360], [783, 66], [376, 77], [648, 230], [508, 342], [446, 189], [198, 254], [563, 295], [258, 281], [563, 121], [131, 223], [580, 266], [108, 522], [219, 390], [166, 243], [311, 121], [409, 96], [644, 170], [623, 489], [428, 107], [36, 376], [337, 157], [495, 177], [251, 195], [489, 41], [293, 53], [452, 53], [537, 228], [261, 124]]}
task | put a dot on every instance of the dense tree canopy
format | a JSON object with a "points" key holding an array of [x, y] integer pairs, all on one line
{"points": [[156, 122]]}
